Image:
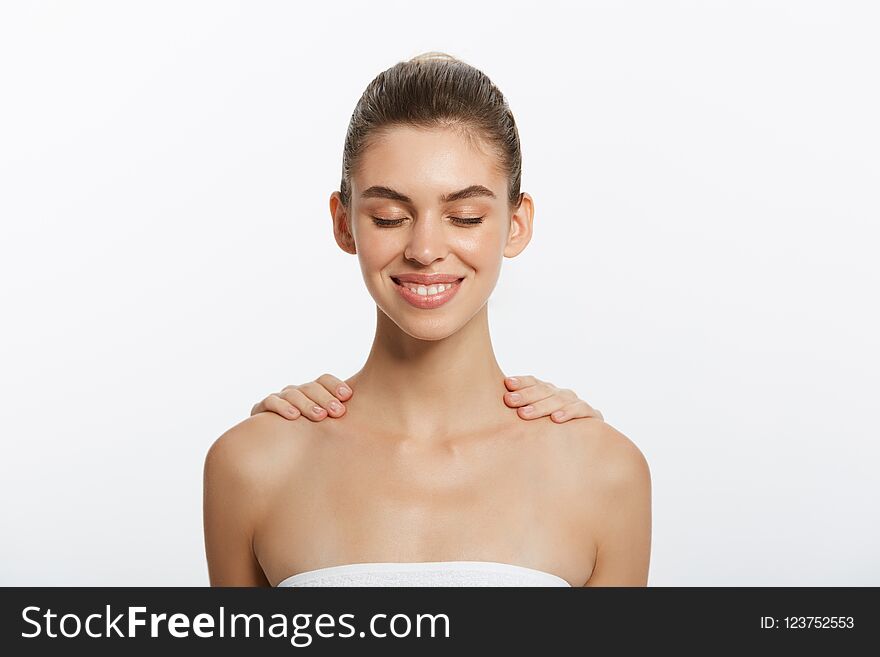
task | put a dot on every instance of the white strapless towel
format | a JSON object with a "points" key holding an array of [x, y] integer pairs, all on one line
{"points": [[425, 573]]}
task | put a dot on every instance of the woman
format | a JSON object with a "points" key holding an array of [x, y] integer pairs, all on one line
{"points": [[427, 478]]}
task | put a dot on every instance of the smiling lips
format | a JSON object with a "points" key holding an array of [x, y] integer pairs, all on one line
{"points": [[427, 290]]}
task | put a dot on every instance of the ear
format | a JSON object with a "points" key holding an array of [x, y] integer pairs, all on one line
{"points": [[341, 224], [520, 233]]}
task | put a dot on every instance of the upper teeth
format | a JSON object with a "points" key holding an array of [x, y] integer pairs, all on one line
{"points": [[425, 291]]}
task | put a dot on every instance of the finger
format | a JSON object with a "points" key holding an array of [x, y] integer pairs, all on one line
{"points": [[578, 409], [302, 402], [538, 392], [320, 396], [538, 409], [517, 382], [336, 387], [276, 404], [583, 409], [260, 407]]}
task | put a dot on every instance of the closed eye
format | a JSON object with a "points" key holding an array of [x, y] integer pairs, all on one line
{"points": [[466, 221]]}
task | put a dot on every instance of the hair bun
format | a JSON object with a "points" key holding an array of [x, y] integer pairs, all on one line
{"points": [[434, 55]]}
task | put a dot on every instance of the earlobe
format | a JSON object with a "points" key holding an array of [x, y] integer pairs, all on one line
{"points": [[343, 235]]}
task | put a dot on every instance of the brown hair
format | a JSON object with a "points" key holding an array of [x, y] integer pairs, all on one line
{"points": [[431, 90]]}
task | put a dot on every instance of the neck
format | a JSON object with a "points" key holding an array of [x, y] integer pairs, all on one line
{"points": [[426, 389]]}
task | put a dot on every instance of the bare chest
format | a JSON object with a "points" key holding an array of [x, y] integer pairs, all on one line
{"points": [[353, 501]]}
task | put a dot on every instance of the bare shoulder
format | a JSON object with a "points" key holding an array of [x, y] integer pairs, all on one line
{"points": [[618, 459], [601, 464], [256, 452], [593, 447], [616, 484], [244, 468]]}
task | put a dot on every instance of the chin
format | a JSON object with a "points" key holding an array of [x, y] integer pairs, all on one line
{"points": [[429, 330]]}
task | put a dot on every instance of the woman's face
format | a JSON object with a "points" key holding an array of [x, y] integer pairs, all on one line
{"points": [[406, 219]]}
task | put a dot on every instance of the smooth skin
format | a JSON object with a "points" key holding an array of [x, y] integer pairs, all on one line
{"points": [[325, 396], [419, 467]]}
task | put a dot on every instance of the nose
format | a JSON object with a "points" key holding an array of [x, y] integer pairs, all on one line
{"points": [[426, 241]]}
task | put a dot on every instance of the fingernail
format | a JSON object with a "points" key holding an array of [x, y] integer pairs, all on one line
{"points": [[514, 396], [528, 409], [513, 381], [336, 406], [317, 410], [293, 410], [558, 415], [343, 390]]}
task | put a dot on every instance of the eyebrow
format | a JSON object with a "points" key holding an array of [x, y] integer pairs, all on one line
{"points": [[379, 191]]}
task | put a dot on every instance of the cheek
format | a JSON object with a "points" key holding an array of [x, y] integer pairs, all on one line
{"points": [[483, 251], [375, 251]]}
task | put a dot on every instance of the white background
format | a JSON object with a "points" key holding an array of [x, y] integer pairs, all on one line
{"points": [[703, 268]]}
